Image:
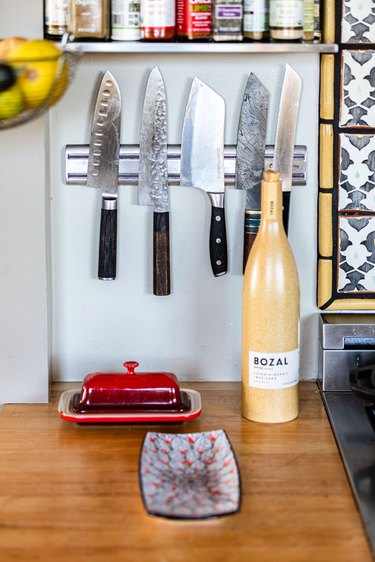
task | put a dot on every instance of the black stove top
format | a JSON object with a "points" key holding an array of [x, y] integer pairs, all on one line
{"points": [[347, 384], [353, 424]]}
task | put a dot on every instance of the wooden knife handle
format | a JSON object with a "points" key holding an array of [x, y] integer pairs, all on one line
{"points": [[162, 281], [108, 240], [251, 227], [286, 204], [218, 242]]}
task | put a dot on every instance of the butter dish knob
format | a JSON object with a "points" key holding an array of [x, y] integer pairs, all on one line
{"points": [[130, 366]]}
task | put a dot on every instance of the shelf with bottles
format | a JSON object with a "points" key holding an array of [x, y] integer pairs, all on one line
{"points": [[203, 47]]}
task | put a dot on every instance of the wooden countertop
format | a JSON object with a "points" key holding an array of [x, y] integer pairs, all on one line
{"points": [[70, 492]]}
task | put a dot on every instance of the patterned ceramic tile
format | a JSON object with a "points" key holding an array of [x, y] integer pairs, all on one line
{"points": [[358, 89], [356, 268], [358, 23], [357, 172]]}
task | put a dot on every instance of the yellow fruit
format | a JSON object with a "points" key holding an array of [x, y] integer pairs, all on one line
{"points": [[11, 102], [42, 72], [6, 45]]}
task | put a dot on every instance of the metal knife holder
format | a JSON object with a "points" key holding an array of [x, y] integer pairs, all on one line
{"points": [[76, 157], [347, 341]]}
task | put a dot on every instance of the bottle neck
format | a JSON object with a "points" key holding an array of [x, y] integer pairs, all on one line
{"points": [[271, 203]]}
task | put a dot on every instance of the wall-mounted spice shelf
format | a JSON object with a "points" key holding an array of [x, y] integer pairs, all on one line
{"points": [[201, 47]]}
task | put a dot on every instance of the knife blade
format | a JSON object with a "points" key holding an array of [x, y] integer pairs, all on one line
{"points": [[153, 176], [250, 155], [202, 162], [102, 169], [285, 134]]}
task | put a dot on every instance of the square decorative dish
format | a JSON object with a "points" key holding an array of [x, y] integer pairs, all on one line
{"points": [[189, 476]]}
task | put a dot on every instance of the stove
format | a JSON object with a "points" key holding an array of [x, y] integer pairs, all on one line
{"points": [[347, 385]]}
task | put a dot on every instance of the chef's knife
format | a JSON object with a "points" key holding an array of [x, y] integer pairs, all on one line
{"points": [[250, 154], [153, 175], [285, 134], [102, 170], [202, 161]]}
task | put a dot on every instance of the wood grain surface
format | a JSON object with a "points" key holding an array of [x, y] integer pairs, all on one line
{"points": [[71, 492]]}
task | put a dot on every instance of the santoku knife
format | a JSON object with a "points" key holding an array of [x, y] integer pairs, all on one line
{"points": [[153, 176], [202, 161], [102, 170], [250, 155], [285, 134]]}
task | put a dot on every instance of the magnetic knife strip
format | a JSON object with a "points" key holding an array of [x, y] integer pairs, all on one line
{"points": [[76, 158]]}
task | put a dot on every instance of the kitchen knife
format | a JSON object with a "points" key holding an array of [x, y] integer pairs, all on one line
{"points": [[250, 155], [202, 161], [102, 170], [285, 134], [153, 176]]}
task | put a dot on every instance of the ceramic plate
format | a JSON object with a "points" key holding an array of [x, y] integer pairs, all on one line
{"points": [[189, 476], [67, 413]]}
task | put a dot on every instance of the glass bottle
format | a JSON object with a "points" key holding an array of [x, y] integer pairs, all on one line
{"points": [[255, 19], [125, 19], [286, 20], [56, 18], [158, 20]]}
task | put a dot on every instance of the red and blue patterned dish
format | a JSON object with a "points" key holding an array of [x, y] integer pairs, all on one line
{"points": [[189, 476]]}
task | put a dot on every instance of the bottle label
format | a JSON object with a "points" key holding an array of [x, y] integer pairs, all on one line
{"points": [[57, 13], [194, 17], [158, 13], [273, 370], [228, 11], [255, 16], [286, 13], [125, 19]]}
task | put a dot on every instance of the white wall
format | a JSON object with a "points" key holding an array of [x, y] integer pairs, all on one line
{"points": [[96, 325], [195, 332], [23, 220]]}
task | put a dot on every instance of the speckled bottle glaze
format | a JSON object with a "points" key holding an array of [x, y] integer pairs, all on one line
{"points": [[270, 317]]}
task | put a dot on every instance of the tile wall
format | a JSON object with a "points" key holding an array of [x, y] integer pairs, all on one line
{"points": [[346, 243]]}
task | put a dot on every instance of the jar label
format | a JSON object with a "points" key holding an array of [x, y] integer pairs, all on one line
{"points": [[286, 13], [273, 370]]}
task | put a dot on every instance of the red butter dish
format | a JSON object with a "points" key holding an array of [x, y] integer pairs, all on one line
{"points": [[130, 397]]}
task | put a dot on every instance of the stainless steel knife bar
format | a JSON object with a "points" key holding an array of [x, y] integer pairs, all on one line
{"points": [[76, 158]]}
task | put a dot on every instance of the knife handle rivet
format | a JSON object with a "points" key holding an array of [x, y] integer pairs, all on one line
{"points": [[218, 219], [218, 262], [218, 240]]}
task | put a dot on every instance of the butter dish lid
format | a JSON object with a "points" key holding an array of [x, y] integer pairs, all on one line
{"points": [[131, 390]]}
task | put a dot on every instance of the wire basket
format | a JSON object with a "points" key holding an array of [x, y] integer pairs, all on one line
{"points": [[35, 84]]}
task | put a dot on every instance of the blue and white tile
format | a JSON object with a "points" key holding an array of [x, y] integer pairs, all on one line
{"points": [[358, 21], [357, 100], [357, 173], [356, 267]]}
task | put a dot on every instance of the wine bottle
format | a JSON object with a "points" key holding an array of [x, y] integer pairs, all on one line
{"points": [[270, 320]]}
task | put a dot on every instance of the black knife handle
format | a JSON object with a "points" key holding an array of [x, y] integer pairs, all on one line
{"points": [[162, 281], [108, 240], [218, 242], [286, 204], [251, 227]]}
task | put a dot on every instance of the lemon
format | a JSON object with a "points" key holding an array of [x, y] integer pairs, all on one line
{"points": [[42, 72], [11, 102]]}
